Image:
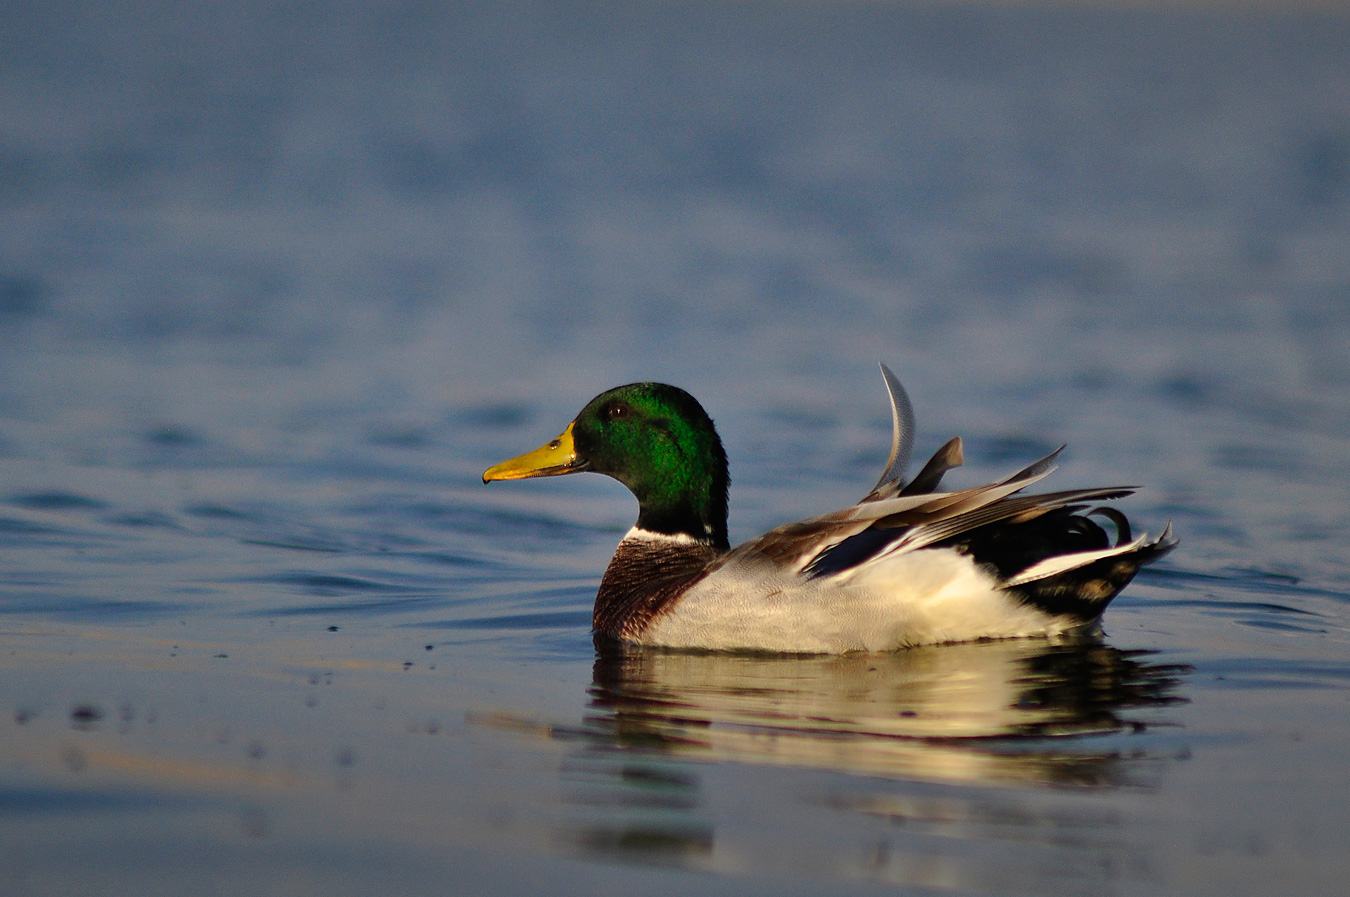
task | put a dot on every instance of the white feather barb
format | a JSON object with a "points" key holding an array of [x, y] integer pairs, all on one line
{"points": [[1063, 563]]}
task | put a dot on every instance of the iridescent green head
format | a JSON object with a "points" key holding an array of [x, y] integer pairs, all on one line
{"points": [[656, 440]]}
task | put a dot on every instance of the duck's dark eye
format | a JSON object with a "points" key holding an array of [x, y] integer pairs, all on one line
{"points": [[618, 411]]}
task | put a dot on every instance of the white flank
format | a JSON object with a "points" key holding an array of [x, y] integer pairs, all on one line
{"points": [[927, 597]]}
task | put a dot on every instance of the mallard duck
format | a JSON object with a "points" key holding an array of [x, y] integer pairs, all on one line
{"points": [[908, 565]]}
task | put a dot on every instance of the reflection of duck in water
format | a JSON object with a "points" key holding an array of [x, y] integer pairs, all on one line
{"points": [[981, 712], [906, 566], [929, 740]]}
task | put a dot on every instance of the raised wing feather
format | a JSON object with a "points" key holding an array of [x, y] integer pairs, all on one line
{"points": [[950, 456], [894, 517], [903, 425]]}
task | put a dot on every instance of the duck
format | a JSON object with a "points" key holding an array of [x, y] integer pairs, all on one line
{"points": [[908, 565]]}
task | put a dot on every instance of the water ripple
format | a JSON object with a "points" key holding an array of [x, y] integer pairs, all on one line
{"points": [[45, 801], [353, 608], [88, 609], [57, 500], [573, 620], [1262, 672], [1247, 580]]}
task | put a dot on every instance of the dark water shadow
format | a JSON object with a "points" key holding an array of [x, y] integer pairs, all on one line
{"points": [[22, 801], [88, 609]]}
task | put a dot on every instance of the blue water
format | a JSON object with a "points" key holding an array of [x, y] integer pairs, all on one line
{"points": [[278, 281]]}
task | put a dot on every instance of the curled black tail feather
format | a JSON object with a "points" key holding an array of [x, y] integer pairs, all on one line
{"points": [[1081, 592]]}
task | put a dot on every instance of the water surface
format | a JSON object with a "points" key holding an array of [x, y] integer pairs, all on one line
{"points": [[277, 284]]}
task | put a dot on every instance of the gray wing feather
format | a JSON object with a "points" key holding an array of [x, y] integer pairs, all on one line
{"points": [[902, 439], [950, 456], [1024, 507], [915, 519]]}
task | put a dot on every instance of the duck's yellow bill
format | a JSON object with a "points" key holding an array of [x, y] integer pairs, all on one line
{"points": [[554, 459]]}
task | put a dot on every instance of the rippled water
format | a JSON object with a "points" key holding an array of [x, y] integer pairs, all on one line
{"points": [[278, 282]]}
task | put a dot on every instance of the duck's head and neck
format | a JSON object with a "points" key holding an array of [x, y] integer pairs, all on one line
{"points": [[656, 440]]}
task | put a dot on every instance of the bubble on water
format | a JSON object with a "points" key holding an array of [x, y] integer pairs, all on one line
{"points": [[85, 716], [171, 435]]}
